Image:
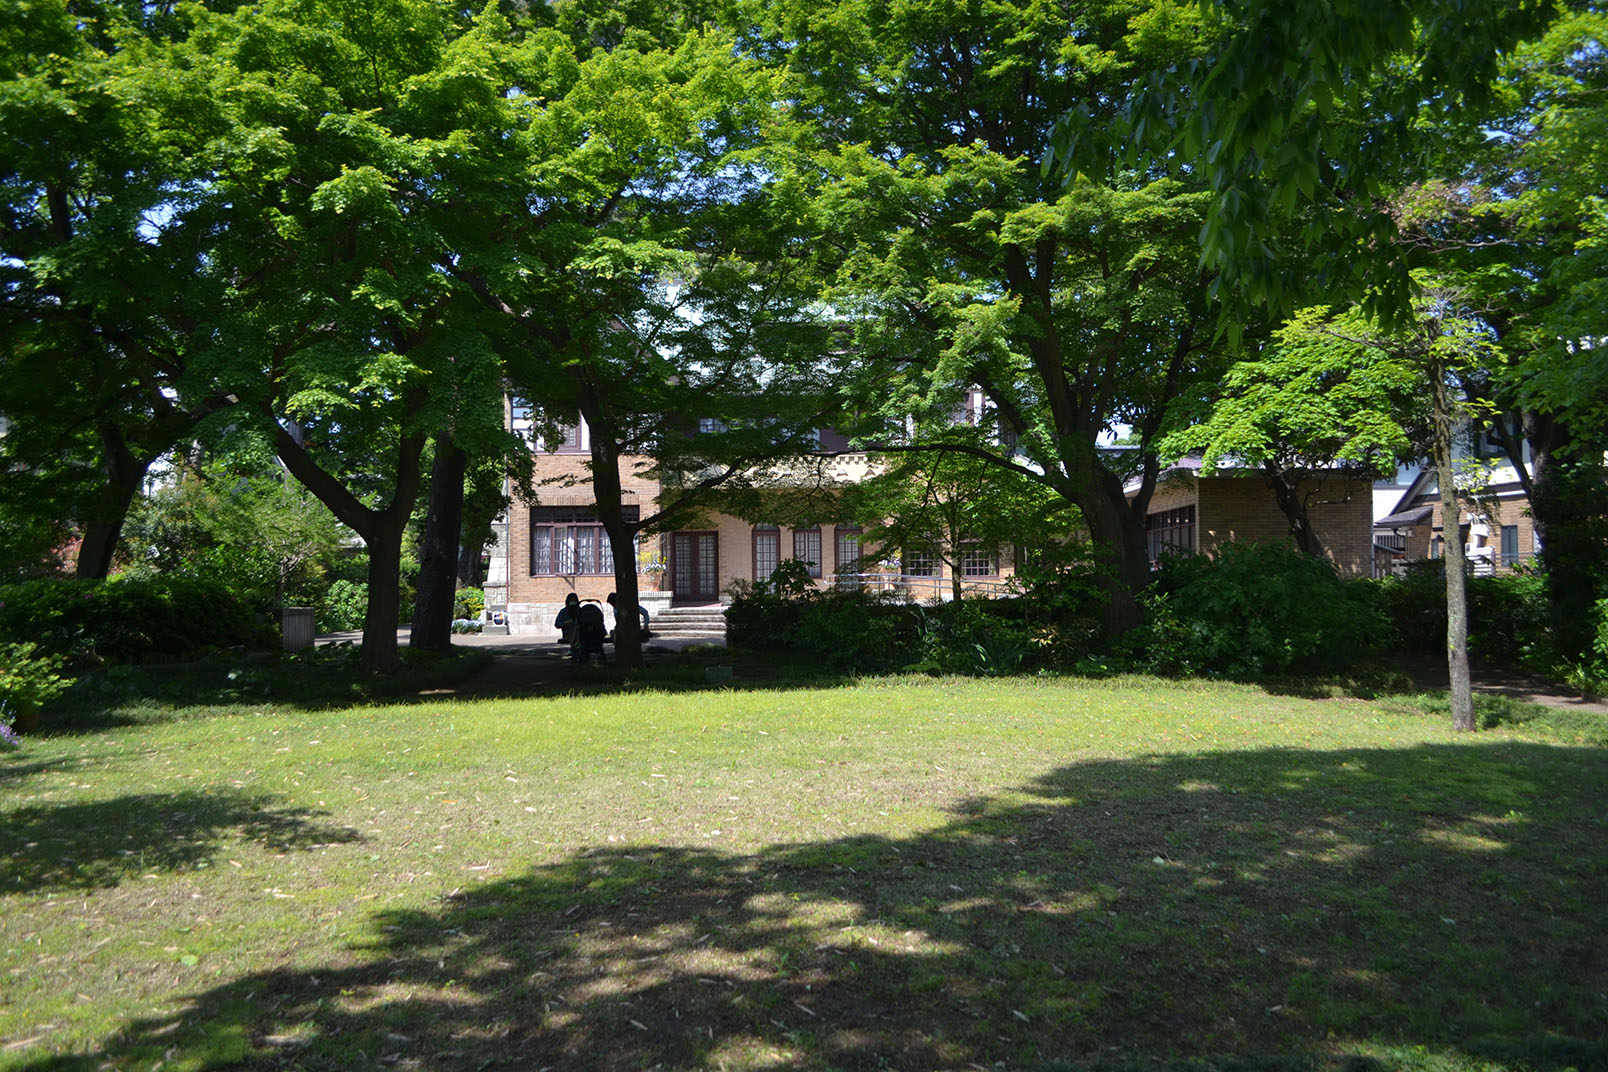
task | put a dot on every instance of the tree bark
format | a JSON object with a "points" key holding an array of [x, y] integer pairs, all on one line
{"points": [[438, 553], [1294, 507], [125, 474], [1462, 689], [380, 529], [609, 494], [1117, 535]]}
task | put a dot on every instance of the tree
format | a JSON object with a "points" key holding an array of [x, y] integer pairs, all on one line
{"points": [[1442, 344], [1309, 402], [641, 282], [960, 266], [344, 334], [1307, 114], [956, 506], [101, 287]]}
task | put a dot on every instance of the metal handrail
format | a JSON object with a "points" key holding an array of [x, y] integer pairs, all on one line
{"points": [[915, 588]]}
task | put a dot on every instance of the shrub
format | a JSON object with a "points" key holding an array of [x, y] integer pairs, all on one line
{"points": [[344, 607], [125, 619], [1507, 614], [1254, 609], [468, 603], [29, 679]]}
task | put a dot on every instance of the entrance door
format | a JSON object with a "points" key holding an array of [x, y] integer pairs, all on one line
{"points": [[694, 567]]}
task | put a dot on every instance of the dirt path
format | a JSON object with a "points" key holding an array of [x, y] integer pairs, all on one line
{"points": [[1500, 681]]}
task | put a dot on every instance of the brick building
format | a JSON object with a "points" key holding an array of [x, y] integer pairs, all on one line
{"points": [[1494, 525], [1200, 512], [556, 545]]}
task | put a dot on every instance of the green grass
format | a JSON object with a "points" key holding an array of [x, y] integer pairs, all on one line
{"points": [[900, 873]]}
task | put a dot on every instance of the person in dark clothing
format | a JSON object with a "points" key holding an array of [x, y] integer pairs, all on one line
{"points": [[643, 611], [567, 619]]}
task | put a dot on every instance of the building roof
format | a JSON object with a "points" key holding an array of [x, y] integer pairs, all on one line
{"points": [[1404, 517]]}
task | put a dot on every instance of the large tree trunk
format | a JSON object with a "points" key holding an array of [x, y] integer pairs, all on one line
{"points": [[1124, 556], [1462, 689], [609, 493], [381, 531], [438, 553], [125, 474]]}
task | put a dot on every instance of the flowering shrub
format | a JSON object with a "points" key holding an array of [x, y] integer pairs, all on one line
{"points": [[468, 603], [466, 625]]}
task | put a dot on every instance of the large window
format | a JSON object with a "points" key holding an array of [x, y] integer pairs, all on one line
{"points": [[1170, 532], [568, 541], [846, 554], [977, 561], [1510, 545], [767, 551], [807, 549], [919, 562]]}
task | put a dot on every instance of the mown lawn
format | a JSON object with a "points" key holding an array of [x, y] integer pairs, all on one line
{"points": [[906, 873]]}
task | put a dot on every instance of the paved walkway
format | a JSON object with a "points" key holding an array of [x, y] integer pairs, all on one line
{"points": [[1499, 681], [525, 664]]}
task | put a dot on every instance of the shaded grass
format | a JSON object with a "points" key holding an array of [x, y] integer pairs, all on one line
{"points": [[911, 874], [242, 682]]}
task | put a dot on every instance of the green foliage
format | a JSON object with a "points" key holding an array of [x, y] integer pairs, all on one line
{"points": [[29, 679], [1507, 615], [838, 629], [1254, 609], [128, 619], [343, 606], [468, 603]]}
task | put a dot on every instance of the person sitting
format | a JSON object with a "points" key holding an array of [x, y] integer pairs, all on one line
{"points": [[643, 611], [567, 619]]}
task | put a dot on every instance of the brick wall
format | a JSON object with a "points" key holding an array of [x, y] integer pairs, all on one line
{"points": [[1243, 508]]}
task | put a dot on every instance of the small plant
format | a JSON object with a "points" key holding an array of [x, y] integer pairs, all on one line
{"points": [[467, 625], [29, 679], [9, 741], [468, 603]]}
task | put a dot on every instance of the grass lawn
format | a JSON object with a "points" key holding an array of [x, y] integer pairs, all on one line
{"points": [[903, 873]]}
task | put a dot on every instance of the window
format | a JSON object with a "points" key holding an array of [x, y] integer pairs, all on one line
{"points": [[977, 561], [710, 425], [1436, 548], [568, 540], [919, 562], [571, 439], [1170, 531], [1510, 545], [846, 553], [767, 551], [807, 549]]}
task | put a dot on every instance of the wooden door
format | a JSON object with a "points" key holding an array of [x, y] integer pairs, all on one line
{"points": [[694, 567]]}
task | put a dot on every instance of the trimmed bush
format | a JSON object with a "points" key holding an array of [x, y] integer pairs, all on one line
{"points": [[1254, 609], [127, 619]]}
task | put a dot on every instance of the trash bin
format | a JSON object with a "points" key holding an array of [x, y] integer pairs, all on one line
{"points": [[296, 623]]}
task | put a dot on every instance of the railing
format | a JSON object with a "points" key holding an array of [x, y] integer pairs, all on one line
{"points": [[919, 589]]}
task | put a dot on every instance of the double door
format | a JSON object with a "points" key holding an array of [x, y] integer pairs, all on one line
{"points": [[694, 567]]}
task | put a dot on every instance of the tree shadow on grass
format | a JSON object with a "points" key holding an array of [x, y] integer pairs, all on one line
{"points": [[1269, 909], [61, 847]]}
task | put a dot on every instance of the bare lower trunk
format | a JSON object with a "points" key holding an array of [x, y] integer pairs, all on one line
{"points": [[384, 603], [1462, 688], [125, 473], [611, 513], [1123, 556], [438, 553], [1287, 493]]}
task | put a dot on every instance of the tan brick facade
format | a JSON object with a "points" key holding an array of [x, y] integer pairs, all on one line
{"points": [[1242, 507], [563, 479]]}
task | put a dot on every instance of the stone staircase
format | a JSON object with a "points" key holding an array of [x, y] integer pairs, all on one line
{"points": [[690, 623]]}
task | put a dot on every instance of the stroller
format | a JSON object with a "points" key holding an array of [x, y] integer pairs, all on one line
{"points": [[590, 632]]}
